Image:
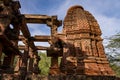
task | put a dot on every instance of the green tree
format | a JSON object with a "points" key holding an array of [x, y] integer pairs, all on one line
{"points": [[44, 63], [113, 52]]}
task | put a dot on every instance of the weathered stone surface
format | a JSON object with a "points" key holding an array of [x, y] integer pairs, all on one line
{"points": [[84, 43], [79, 45]]}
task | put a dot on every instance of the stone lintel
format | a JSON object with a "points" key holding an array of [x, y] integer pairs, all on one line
{"points": [[36, 38], [42, 19], [22, 47], [54, 52]]}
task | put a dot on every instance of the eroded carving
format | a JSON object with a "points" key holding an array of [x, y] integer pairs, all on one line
{"points": [[79, 45]]}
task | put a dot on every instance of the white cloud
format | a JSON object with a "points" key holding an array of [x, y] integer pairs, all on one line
{"points": [[39, 29], [28, 7], [109, 24]]}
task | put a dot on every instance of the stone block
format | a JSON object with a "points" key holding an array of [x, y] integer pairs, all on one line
{"points": [[92, 69], [80, 70], [71, 64], [102, 69], [71, 71], [89, 61], [80, 64], [54, 71], [70, 67], [52, 52]]}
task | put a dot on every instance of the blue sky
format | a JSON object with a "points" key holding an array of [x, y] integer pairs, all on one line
{"points": [[107, 13]]}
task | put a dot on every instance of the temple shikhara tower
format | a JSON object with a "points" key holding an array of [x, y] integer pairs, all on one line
{"points": [[84, 54], [79, 46]]}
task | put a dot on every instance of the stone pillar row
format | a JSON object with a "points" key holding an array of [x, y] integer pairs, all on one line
{"points": [[10, 28], [28, 63], [6, 18]]}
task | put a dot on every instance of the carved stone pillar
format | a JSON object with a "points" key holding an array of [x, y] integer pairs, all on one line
{"points": [[53, 26], [54, 69], [53, 52], [8, 61], [100, 48], [63, 59], [25, 58], [36, 69], [18, 65], [94, 48], [0, 52], [31, 61], [30, 65], [23, 68], [5, 17]]}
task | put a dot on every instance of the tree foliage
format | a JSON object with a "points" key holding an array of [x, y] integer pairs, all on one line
{"points": [[44, 63], [113, 52]]}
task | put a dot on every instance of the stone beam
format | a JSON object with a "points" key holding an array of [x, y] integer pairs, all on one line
{"points": [[26, 33], [41, 19], [24, 27], [37, 38], [34, 18], [41, 38], [22, 47], [28, 41]]}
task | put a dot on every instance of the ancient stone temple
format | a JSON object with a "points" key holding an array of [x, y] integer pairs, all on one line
{"points": [[84, 56], [79, 45]]}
